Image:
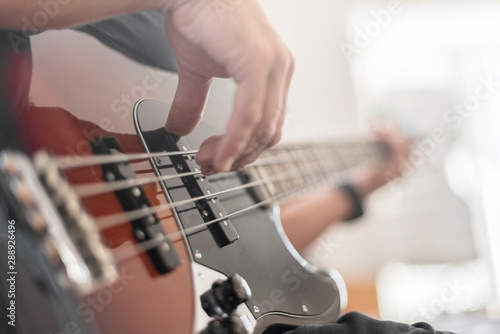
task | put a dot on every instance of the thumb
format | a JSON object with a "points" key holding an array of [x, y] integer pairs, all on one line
{"points": [[189, 101]]}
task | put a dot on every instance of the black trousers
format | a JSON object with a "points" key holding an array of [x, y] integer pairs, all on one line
{"points": [[358, 323]]}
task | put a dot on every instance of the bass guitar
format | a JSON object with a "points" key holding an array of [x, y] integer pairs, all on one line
{"points": [[114, 228]]}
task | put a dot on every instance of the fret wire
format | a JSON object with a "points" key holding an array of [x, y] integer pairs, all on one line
{"points": [[300, 171], [311, 164], [269, 169], [269, 184], [279, 168], [295, 181], [324, 162]]}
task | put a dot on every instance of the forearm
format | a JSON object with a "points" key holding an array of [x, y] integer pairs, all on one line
{"points": [[305, 219], [47, 14], [369, 180]]}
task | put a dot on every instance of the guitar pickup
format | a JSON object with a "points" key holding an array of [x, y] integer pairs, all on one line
{"points": [[163, 256], [191, 181]]}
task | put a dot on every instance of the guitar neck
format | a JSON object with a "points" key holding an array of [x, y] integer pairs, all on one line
{"points": [[287, 171]]}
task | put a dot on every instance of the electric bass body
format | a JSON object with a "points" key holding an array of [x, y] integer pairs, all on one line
{"points": [[165, 242]]}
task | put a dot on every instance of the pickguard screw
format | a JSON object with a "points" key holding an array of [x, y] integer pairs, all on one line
{"points": [[256, 309], [197, 254], [305, 309], [158, 161]]}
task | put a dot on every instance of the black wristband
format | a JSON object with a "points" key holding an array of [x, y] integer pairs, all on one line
{"points": [[356, 201]]}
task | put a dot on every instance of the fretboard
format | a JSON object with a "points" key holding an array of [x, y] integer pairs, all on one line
{"points": [[290, 170]]}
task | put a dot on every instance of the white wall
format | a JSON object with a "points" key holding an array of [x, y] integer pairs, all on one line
{"points": [[321, 100]]}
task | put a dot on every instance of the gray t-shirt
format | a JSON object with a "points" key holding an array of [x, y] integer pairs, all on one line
{"points": [[139, 36]]}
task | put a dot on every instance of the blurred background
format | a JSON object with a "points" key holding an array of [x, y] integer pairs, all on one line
{"points": [[428, 247]]}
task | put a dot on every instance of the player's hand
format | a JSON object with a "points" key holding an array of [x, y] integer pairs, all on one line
{"points": [[400, 149], [384, 170], [228, 39]]}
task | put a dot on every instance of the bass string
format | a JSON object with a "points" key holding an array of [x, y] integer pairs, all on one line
{"points": [[123, 184], [98, 188], [333, 151], [112, 220], [333, 180], [78, 161], [127, 252]]}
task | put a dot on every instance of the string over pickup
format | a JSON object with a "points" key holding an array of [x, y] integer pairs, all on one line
{"points": [[192, 189], [147, 228]]}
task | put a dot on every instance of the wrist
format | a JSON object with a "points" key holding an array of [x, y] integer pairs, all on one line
{"points": [[355, 200], [369, 180]]}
